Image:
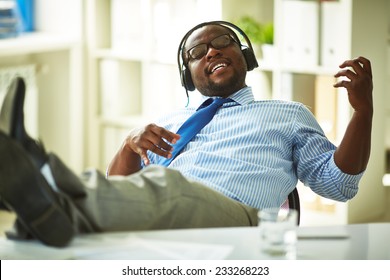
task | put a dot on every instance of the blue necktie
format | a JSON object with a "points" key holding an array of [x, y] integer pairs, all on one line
{"points": [[194, 124]]}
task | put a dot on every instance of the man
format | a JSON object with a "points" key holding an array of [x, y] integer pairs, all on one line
{"points": [[257, 149], [248, 157]]}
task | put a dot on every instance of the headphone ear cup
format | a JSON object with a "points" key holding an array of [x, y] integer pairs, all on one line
{"points": [[186, 80], [250, 59]]}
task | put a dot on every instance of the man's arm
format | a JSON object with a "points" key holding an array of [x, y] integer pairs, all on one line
{"points": [[125, 161], [353, 153], [134, 149]]}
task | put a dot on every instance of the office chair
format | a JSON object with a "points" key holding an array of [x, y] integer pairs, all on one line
{"points": [[293, 202]]}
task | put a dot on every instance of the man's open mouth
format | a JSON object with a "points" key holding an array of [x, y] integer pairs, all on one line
{"points": [[218, 67]]}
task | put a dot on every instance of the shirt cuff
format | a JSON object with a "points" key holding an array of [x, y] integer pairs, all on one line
{"points": [[348, 183]]}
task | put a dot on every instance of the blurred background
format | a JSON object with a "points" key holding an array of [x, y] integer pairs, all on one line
{"points": [[97, 68]]}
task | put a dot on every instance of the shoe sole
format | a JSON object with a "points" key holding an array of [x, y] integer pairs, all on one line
{"points": [[24, 190]]}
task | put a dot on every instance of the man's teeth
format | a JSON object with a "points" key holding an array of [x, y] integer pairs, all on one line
{"points": [[220, 65]]}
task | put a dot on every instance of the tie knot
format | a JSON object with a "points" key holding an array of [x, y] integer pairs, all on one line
{"points": [[215, 102]]}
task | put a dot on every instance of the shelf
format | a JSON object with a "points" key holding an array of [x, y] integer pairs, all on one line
{"points": [[35, 43]]}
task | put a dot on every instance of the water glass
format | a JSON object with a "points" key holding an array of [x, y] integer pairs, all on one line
{"points": [[278, 235]]}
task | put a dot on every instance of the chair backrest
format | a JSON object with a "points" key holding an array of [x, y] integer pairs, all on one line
{"points": [[293, 202]]}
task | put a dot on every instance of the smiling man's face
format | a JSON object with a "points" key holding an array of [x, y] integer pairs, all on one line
{"points": [[220, 72]]}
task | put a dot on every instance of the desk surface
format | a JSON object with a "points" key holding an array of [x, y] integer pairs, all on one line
{"points": [[360, 241]]}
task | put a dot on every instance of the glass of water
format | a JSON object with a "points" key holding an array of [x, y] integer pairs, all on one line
{"points": [[278, 235]]}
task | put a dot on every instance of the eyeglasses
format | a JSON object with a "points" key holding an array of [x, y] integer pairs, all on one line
{"points": [[218, 43]]}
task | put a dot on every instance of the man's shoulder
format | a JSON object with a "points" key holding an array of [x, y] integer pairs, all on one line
{"points": [[278, 103]]}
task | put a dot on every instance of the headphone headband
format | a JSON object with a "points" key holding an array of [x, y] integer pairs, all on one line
{"points": [[248, 53]]}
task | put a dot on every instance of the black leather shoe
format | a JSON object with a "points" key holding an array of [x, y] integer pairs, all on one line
{"points": [[24, 190], [12, 121]]}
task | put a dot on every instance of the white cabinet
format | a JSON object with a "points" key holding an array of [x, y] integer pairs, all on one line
{"points": [[299, 31]]}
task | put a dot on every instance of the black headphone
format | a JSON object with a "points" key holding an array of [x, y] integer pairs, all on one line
{"points": [[247, 51]]}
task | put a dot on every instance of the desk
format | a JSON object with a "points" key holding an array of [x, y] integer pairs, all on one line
{"points": [[360, 241]]}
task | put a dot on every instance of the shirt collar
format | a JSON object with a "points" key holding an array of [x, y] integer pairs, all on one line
{"points": [[243, 96]]}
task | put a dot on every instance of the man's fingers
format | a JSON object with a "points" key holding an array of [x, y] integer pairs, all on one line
{"points": [[366, 64], [159, 151], [342, 83], [158, 140], [165, 134], [360, 65], [144, 157], [345, 73]]}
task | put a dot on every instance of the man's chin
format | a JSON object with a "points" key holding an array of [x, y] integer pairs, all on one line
{"points": [[217, 91], [222, 86]]}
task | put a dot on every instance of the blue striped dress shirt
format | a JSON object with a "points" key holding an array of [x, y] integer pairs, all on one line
{"points": [[256, 151]]}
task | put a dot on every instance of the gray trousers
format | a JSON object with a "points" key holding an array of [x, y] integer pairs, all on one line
{"points": [[154, 198]]}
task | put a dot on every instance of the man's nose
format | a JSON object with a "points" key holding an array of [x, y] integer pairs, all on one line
{"points": [[212, 52]]}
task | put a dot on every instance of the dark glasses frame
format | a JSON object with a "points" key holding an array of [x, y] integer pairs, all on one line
{"points": [[217, 43]]}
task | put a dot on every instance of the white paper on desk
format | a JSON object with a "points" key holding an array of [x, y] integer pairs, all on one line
{"points": [[134, 248]]}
